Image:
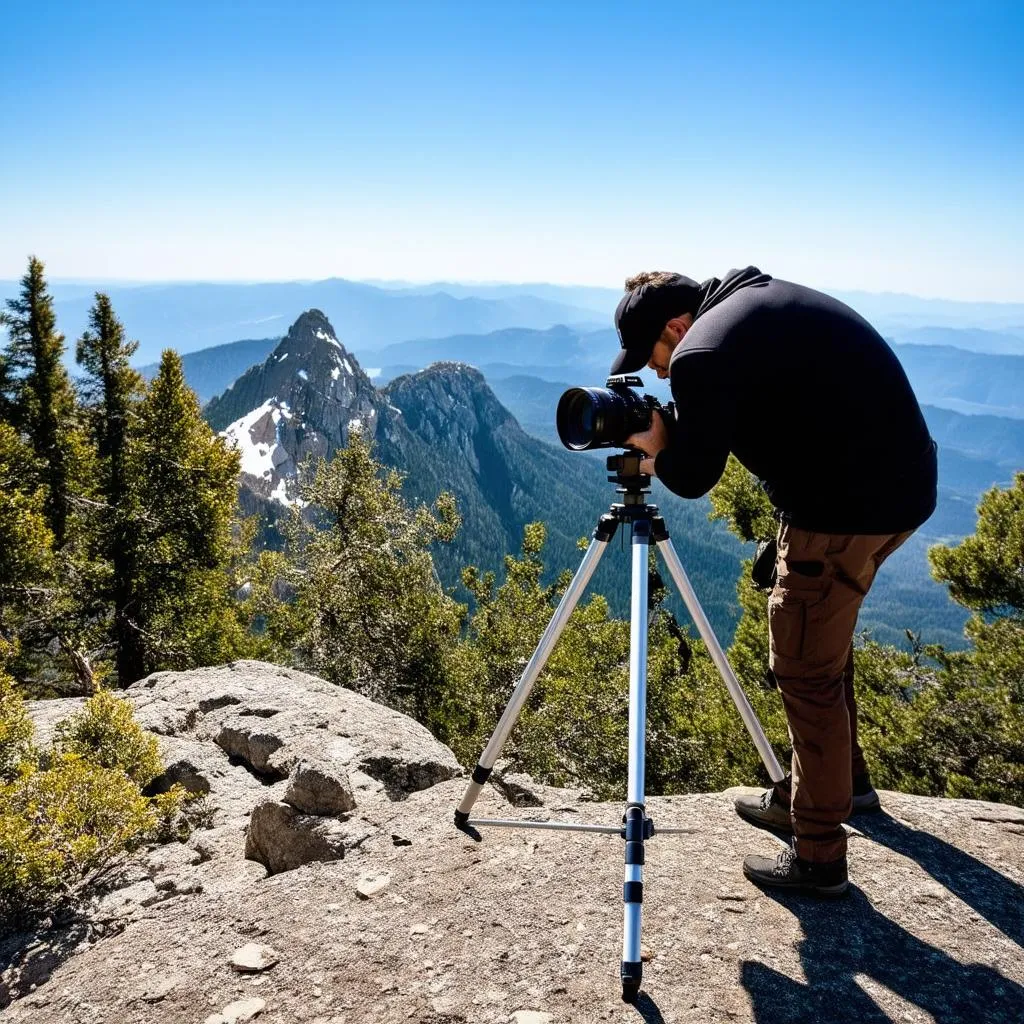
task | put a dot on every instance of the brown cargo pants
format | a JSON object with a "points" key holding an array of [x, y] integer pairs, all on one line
{"points": [[812, 613]]}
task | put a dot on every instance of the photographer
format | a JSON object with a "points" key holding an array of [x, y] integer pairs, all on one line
{"points": [[810, 398]]}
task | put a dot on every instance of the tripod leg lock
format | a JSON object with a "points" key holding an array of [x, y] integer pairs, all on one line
{"points": [[481, 774], [659, 531], [606, 527]]}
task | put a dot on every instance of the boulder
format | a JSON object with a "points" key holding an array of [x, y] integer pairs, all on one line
{"points": [[318, 786], [282, 838]]}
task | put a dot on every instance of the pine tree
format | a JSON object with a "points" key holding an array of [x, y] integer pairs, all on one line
{"points": [[42, 400], [180, 496], [112, 391], [355, 598]]}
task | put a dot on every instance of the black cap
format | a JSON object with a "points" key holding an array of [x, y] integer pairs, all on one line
{"points": [[642, 315]]}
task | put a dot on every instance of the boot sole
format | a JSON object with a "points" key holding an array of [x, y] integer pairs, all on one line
{"points": [[787, 828], [821, 892]]}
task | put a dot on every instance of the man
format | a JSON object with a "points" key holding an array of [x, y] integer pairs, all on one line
{"points": [[810, 398]]}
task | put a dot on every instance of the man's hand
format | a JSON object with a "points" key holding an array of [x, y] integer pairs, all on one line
{"points": [[652, 440]]}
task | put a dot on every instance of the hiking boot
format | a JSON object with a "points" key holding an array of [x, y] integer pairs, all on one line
{"points": [[769, 810], [828, 880], [865, 799], [766, 810]]}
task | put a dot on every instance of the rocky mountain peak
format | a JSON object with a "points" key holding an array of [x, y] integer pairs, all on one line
{"points": [[304, 399], [447, 400]]}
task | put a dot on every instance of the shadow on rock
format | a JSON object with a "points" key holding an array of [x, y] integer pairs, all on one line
{"points": [[997, 898], [847, 945], [29, 958]]}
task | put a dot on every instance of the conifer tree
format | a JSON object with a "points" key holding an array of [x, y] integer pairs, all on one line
{"points": [[179, 504], [42, 400], [355, 597], [112, 391]]}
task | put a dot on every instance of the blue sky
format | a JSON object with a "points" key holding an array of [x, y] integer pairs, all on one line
{"points": [[875, 146]]}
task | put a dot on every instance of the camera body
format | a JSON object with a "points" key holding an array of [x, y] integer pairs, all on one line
{"points": [[590, 418]]}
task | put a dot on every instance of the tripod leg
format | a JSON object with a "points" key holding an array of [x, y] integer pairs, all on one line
{"points": [[636, 821], [675, 567], [602, 535]]}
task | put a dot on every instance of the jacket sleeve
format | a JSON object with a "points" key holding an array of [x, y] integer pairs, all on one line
{"points": [[699, 439]]}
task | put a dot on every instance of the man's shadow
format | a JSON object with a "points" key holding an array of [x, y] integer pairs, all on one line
{"points": [[850, 938], [995, 897]]}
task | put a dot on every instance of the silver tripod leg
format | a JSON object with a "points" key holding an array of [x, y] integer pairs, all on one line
{"points": [[764, 748], [547, 643], [635, 820]]}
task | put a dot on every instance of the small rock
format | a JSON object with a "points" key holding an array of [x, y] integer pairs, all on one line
{"points": [[237, 1012], [372, 883], [646, 954], [253, 958], [531, 1017], [419, 929]]}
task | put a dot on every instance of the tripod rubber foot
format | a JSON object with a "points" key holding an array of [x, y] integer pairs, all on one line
{"points": [[631, 975], [463, 825]]}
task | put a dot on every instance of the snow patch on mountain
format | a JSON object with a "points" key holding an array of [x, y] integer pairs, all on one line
{"points": [[326, 336], [257, 438]]}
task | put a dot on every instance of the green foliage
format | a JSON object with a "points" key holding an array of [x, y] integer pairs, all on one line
{"points": [[986, 571], [105, 733], [175, 605], [42, 402], [26, 541], [68, 815], [46, 468], [60, 824], [15, 729], [741, 501], [355, 597]]}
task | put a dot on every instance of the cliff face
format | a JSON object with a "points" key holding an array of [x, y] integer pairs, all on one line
{"points": [[367, 905]]}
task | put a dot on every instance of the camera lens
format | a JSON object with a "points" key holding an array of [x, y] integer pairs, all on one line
{"points": [[589, 418], [578, 418]]}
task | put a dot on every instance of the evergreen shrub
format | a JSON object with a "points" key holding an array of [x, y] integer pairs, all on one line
{"points": [[68, 815]]}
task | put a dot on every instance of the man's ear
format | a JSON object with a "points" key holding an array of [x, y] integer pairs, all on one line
{"points": [[681, 324]]}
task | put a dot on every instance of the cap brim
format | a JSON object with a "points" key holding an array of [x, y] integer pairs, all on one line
{"points": [[629, 360]]}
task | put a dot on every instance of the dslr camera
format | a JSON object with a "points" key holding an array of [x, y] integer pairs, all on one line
{"points": [[589, 418]]}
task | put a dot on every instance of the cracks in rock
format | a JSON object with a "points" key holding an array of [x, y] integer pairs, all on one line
{"points": [[222, 701], [263, 778]]}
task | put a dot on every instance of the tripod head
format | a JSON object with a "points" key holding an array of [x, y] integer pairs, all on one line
{"points": [[624, 470]]}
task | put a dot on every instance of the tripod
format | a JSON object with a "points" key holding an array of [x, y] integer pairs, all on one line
{"points": [[646, 525]]}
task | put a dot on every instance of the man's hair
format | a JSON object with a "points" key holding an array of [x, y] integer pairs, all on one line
{"points": [[651, 277]]}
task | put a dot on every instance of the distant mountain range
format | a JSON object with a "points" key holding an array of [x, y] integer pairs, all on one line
{"points": [[192, 316], [189, 317]]}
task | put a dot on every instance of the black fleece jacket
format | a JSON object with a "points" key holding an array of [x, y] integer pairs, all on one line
{"points": [[810, 398]]}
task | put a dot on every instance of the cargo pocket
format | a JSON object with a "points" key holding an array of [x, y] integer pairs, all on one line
{"points": [[787, 623], [801, 586]]}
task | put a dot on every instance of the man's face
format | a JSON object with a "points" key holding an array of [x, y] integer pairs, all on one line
{"points": [[660, 357], [666, 344]]}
